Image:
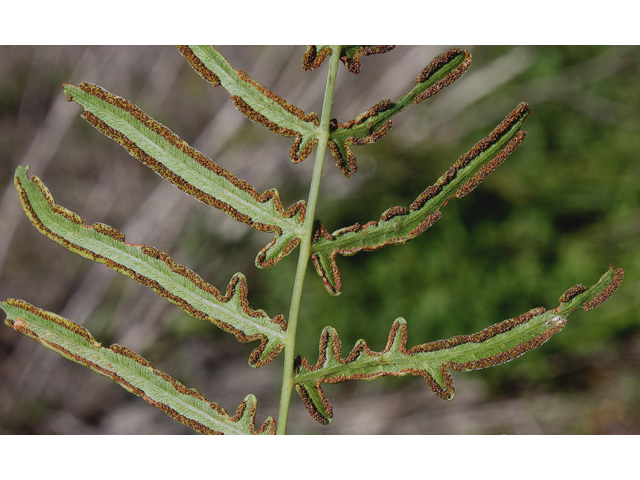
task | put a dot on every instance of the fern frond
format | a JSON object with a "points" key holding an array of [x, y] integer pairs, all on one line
{"points": [[399, 224], [151, 267], [255, 101], [156, 146], [375, 123], [492, 346], [132, 372]]}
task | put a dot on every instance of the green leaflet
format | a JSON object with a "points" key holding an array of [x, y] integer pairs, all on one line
{"points": [[255, 101], [265, 107], [150, 267], [492, 346], [349, 54], [132, 372], [375, 123], [172, 158], [399, 224]]}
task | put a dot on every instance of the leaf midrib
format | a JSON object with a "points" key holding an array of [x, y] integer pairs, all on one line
{"points": [[104, 356], [429, 361], [189, 170], [70, 233]]}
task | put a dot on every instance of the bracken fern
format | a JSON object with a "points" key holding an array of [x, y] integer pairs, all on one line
{"points": [[292, 228]]}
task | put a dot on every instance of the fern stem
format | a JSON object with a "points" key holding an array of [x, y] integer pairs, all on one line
{"points": [[305, 244]]}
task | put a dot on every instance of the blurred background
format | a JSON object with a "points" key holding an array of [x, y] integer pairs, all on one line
{"points": [[563, 207]]}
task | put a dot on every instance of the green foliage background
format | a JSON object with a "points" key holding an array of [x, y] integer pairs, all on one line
{"points": [[561, 208]]}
